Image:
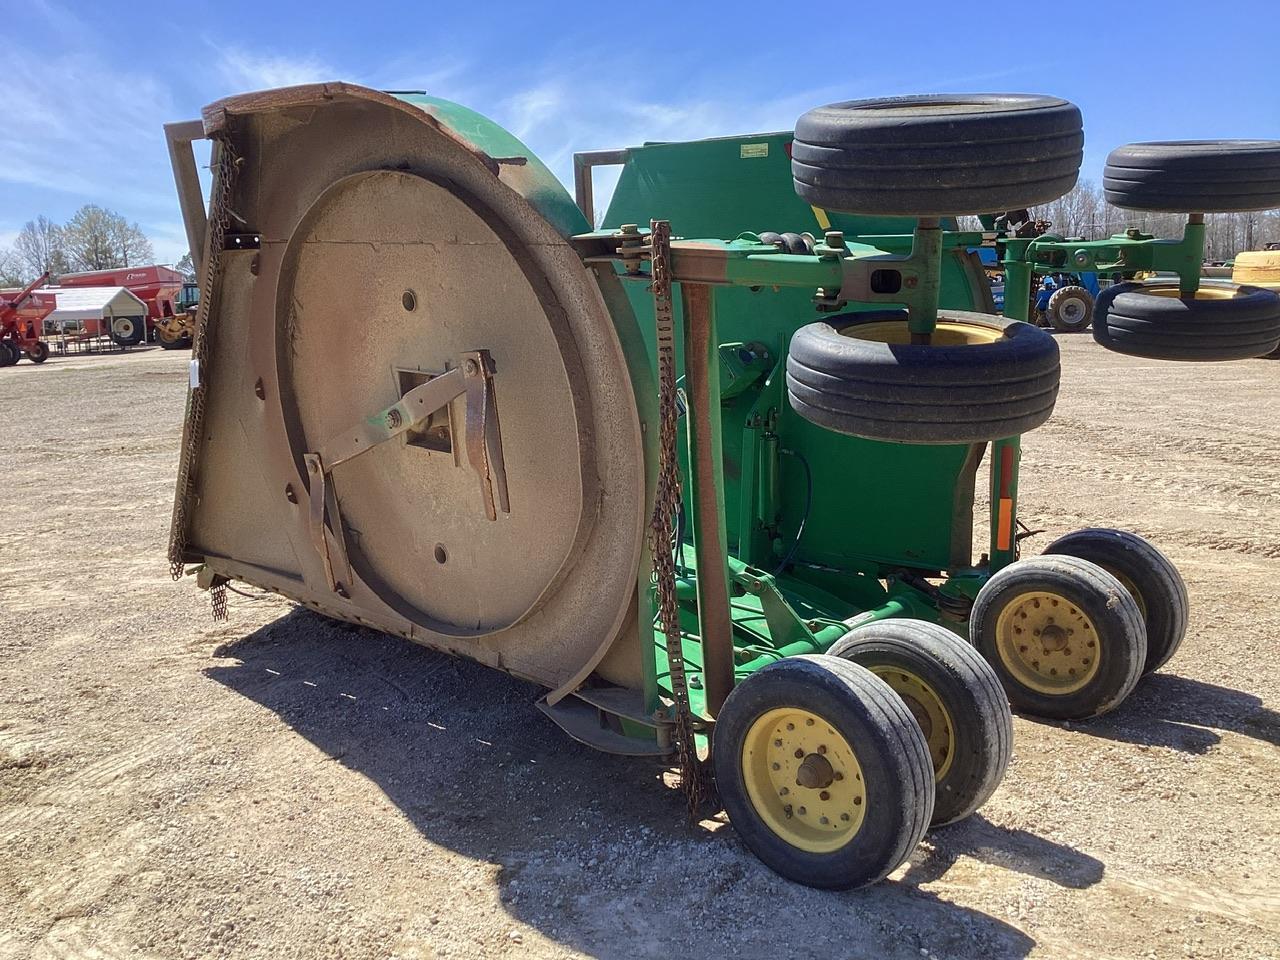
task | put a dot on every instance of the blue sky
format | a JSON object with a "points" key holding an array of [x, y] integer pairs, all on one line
{"points": [[85, 87]]}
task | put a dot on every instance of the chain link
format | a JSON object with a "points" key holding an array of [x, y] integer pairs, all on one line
{"points": [[218, 600], [665, 505]]}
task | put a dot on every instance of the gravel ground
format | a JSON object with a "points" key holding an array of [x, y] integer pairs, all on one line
{"points": [[283, 786]]}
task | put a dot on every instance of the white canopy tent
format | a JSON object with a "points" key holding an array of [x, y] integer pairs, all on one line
{"points": [[78, 304]]}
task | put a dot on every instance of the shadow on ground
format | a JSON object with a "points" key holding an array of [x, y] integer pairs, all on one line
{"points": [[594, 850], [1187, 715]]}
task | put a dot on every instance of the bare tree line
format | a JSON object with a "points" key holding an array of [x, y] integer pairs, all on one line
{"points": [[1084, 212], [93, 239]]}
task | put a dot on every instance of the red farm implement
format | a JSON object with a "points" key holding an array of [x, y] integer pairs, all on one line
{"points": [[21, 323]]}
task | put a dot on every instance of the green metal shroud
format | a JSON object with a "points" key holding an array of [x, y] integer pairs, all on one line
{"points": [[875, 515]]}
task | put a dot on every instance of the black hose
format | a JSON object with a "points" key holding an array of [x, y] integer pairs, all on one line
{"points": [[808, 504]]}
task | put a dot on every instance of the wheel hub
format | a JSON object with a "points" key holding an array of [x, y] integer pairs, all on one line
{"points": [[1053, 638], [803, 779], [1047, 642], [815, 772]]}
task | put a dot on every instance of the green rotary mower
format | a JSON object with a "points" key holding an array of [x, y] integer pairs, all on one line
{"points": [[715, 495]]}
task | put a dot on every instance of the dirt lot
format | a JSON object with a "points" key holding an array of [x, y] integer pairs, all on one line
{"points": [[283, 786]]}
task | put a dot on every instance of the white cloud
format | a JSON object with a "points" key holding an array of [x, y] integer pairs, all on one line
{"points": [[79, 125], [244, 70]]}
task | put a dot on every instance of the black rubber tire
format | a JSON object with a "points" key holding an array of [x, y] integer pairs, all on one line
{"points": [[969, 693], [1070, 309], [40, 353], [909, 393], [1147, 573], [890, 750], [1194, 176], [8, 354], [182, 343], [133, 338], [1133, 318], [937, 154], [1117, 621]]}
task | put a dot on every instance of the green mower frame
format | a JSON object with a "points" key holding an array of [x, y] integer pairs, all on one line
{"points": [[888, 528]]}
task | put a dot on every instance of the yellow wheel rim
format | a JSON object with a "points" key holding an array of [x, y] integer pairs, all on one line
{"points": [[926, 706], [1206, 292], [1047, 643], [1130, 586], [948, 333], [803, 780]]}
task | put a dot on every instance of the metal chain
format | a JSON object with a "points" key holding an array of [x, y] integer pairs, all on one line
{"points": [[226, 165], [218, 600], [665, 504]]}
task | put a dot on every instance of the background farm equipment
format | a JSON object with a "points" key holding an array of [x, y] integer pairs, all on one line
{"points": [[174, 332], [22, 314], [1163, 319], [1259, 268], [1061, 300], [158, 287], [716, 495]]}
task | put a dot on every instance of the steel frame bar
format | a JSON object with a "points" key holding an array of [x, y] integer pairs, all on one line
{"points": [[179, 137], [706, 503]]}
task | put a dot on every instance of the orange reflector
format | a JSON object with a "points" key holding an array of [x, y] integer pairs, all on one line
{"points": [[1004, 524]]}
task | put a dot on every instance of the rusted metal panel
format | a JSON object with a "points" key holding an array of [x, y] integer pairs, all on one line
{"points": [[358, 198]]}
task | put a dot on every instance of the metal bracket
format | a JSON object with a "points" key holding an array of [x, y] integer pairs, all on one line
{"points": [[242, 241], [473, 377], [785, 625]]}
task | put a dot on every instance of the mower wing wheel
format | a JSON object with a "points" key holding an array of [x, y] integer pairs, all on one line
{"points": [[954, 695], [982, 377], [1221, 321], [1194, 176], [1148, 575], [937, 154], [823, 771], [1065, 637]]}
